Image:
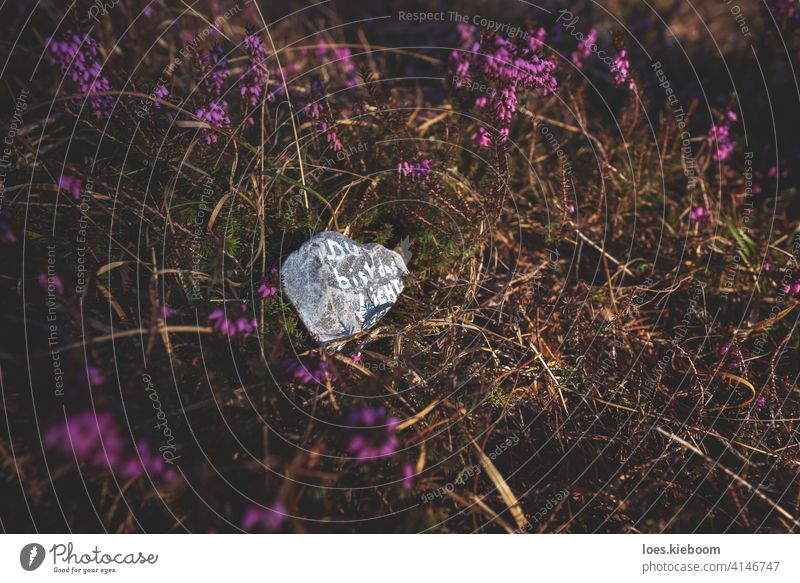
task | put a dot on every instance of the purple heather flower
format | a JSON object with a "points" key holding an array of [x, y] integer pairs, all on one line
{"points": [[726, 348], [373, 433], [150, 9], [314, 369], [253, 83], [322, 48], [314, 110], [7, 235], [721, 134], [466, 32], [269, 519], [71, 184], [415, 170], [160, 92], [792, 288], [408, 477], [773, 172], [536, 39], [506, 105], [785, 11], [699, 215], [729, 349], [621, 67], [76, 54], [333, 138], [93, 375], [761, 402], [234, 321], [481, 137], [504, 64], [83, 432], [212, 69], [340, 56], [344, 57], [165, 311], [147, 462], [584, 49], [51, 283], [215, 115], [268, 285], [267, 290], [97, 441]]}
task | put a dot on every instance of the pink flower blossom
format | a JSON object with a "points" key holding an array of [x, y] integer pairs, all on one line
{"points": [[699, 215], [481, 137], [621, 67]]}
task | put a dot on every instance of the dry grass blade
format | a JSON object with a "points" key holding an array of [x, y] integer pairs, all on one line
{"points": [[502, 486]]}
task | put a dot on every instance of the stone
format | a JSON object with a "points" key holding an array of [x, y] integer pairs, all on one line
{"points": [[339, 287]]}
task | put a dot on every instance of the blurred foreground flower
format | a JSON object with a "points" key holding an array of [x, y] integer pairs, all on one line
{"points": [[235, 321], [96, 440], [70, 184], [314, 369], [6, 233], [699, 215], [269, 519], [584, 49], [408, 477], [373, 433], [93, 375], [51, 283]]}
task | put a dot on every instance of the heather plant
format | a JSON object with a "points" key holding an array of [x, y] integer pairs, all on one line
{"points": [[602, 253]]}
